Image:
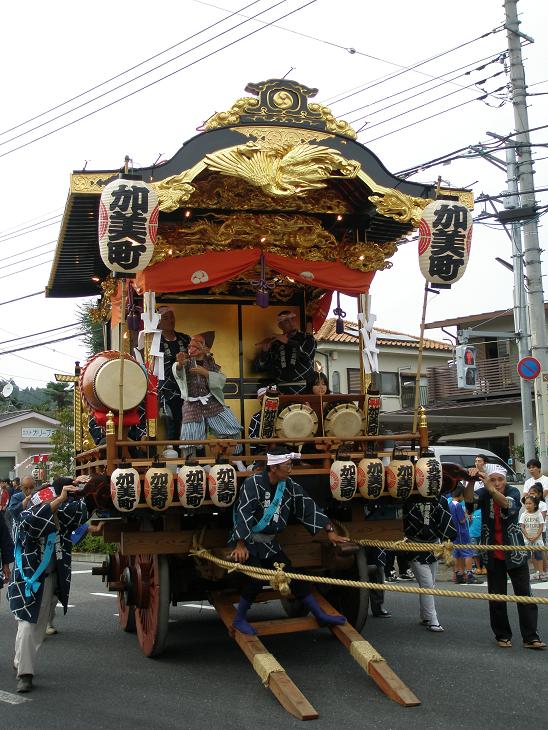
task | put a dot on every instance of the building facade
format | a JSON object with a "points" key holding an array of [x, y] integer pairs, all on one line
{"points": [[23, 435]]}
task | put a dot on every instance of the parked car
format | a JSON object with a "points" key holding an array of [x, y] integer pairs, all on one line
{"points": [[465, 455]]}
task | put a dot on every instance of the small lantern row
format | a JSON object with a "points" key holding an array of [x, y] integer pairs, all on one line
{"points": [[192, 485], [370, 476]]}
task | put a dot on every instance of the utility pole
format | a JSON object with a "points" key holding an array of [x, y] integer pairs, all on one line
{"points": [[531, 248]]}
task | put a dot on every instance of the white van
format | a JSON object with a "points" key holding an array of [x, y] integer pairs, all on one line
{"points": [[465, 455]]}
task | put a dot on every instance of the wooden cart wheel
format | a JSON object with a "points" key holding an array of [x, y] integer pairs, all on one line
{"points": [[126, 613], [351, 602], [152, 617]]}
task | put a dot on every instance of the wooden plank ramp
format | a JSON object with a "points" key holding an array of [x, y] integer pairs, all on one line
{"points": [[273, 674], [376, 667]]}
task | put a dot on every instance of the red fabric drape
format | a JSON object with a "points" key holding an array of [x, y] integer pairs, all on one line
{"points": [[215, 267]]}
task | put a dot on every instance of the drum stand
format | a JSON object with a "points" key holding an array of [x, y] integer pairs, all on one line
{"points": [[273, 674]]}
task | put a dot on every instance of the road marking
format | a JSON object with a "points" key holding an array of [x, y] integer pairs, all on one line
{"points": [[198, 605], [107, 595], [69, 605], [12, 699], [79, 572]]}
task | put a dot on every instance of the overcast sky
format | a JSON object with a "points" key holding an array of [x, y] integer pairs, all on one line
{"points": [[51, 53]]}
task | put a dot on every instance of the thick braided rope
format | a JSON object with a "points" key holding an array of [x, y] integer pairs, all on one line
{"points": [[407, 546], [266, 575]]}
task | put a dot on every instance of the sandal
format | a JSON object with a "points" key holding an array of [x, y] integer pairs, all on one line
{"points": [[504, 643], [536, 644]]}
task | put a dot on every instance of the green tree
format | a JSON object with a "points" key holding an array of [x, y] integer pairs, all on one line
{"points": [[58, 396], [93, 330], [62, 439]]}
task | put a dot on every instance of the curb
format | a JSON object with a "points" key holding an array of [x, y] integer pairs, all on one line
{"points": [[88, 557]]}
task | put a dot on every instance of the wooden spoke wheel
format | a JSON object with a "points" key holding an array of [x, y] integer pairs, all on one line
{"points": [[126, 612], [351, 602], [152, 594]]}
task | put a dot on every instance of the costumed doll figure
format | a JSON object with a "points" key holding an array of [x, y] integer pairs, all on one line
{"points": [[288, 358], [265, 505], [201, 384]]}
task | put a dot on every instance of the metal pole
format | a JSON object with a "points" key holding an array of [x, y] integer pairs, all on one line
{"points": [[531, 248], [520, 306]]}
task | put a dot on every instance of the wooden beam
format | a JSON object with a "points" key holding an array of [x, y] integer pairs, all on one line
{"points": [[282, 687], [379, 670], [285, 625], [155, 543]]}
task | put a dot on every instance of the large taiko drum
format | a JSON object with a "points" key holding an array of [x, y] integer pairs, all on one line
{"points": [[297, 421], [100, 382], [344, 421]]}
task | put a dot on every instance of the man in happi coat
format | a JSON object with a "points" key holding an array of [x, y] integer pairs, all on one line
{"points": [[42, 568], [201, 383], [288, 358], [265, 505], [169, 396]]}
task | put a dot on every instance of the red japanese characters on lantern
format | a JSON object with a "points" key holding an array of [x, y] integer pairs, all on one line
{"points": [[128, 224], [445, 237]]}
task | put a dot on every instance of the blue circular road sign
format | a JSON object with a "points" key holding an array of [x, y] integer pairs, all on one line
{"points": [[529, 368]]}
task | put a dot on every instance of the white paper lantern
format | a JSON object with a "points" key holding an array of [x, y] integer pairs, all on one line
{"points": [[222, 484], [343, 479], [125, 488], [428, 475], [371, 477], [191, 484], [158, 488], [128, 224], [400, 477], [445, 236]]}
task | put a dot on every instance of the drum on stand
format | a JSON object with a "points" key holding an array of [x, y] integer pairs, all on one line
{"points": [[297, 421], [344, 421], [100, 382]]}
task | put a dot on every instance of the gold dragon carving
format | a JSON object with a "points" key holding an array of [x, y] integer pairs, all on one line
{"points": [[399, 206], [298, 236]]}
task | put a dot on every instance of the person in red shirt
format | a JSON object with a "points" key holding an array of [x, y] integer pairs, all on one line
{"points": [[500, 506]]}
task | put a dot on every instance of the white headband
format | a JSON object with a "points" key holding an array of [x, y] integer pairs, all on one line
{"points": [[496, 469], [275, 459], [261, 392]]}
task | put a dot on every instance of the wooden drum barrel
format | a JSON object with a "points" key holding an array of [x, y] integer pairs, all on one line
{"points": [[100, 382]]}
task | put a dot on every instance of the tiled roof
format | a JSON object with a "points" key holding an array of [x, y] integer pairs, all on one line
{"points": [[13, 414], [388, 338]]}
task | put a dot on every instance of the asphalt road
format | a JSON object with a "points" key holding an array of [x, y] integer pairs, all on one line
{"points": [[92, 674]]}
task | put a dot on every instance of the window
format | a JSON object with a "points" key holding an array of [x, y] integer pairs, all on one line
{"points": [[388, 382], [336, 382]]}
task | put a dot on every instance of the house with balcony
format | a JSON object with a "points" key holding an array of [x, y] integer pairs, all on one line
{"points": [[498, 386], [339, 357]]}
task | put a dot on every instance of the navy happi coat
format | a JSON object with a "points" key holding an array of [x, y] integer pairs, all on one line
{"points": [[254, 498], [35, 524]]}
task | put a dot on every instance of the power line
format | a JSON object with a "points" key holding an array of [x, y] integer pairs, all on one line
{"points": [[42, 344], [44, 332], [25, 296], [122, 73], [18, 226], [26, 250], [32, 229], [416, 65], [24, 271], [427, 103], [145, 73], [29, 258]]}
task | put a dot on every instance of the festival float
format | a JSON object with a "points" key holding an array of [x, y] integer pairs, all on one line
{"points": [[270, 212]]}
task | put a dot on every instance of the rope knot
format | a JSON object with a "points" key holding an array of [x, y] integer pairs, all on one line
{"points": [[279, 581]]}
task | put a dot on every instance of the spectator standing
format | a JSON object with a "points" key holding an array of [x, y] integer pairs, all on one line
{"points": [[537, 477], [537, 491], [6, 552], [500, 505], [462, 556], [427, 522], [474, 528], [531, 522]]}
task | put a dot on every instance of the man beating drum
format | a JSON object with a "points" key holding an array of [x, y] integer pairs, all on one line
{"points": [[265, 505], [288, 358], [201, 383]]}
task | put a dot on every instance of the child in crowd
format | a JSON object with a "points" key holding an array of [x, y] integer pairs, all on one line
{"points": [[532, 522], [320, 384], [463, 558], [474, 528], [537, 490]]}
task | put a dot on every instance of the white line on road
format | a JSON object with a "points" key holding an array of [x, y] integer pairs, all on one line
{"points": [[78, 572], [107, 595], [12, 699], [198, 605], [60, 605]]}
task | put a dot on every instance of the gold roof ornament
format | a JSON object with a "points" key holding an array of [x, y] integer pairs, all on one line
{"points": [[281, 101]]}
